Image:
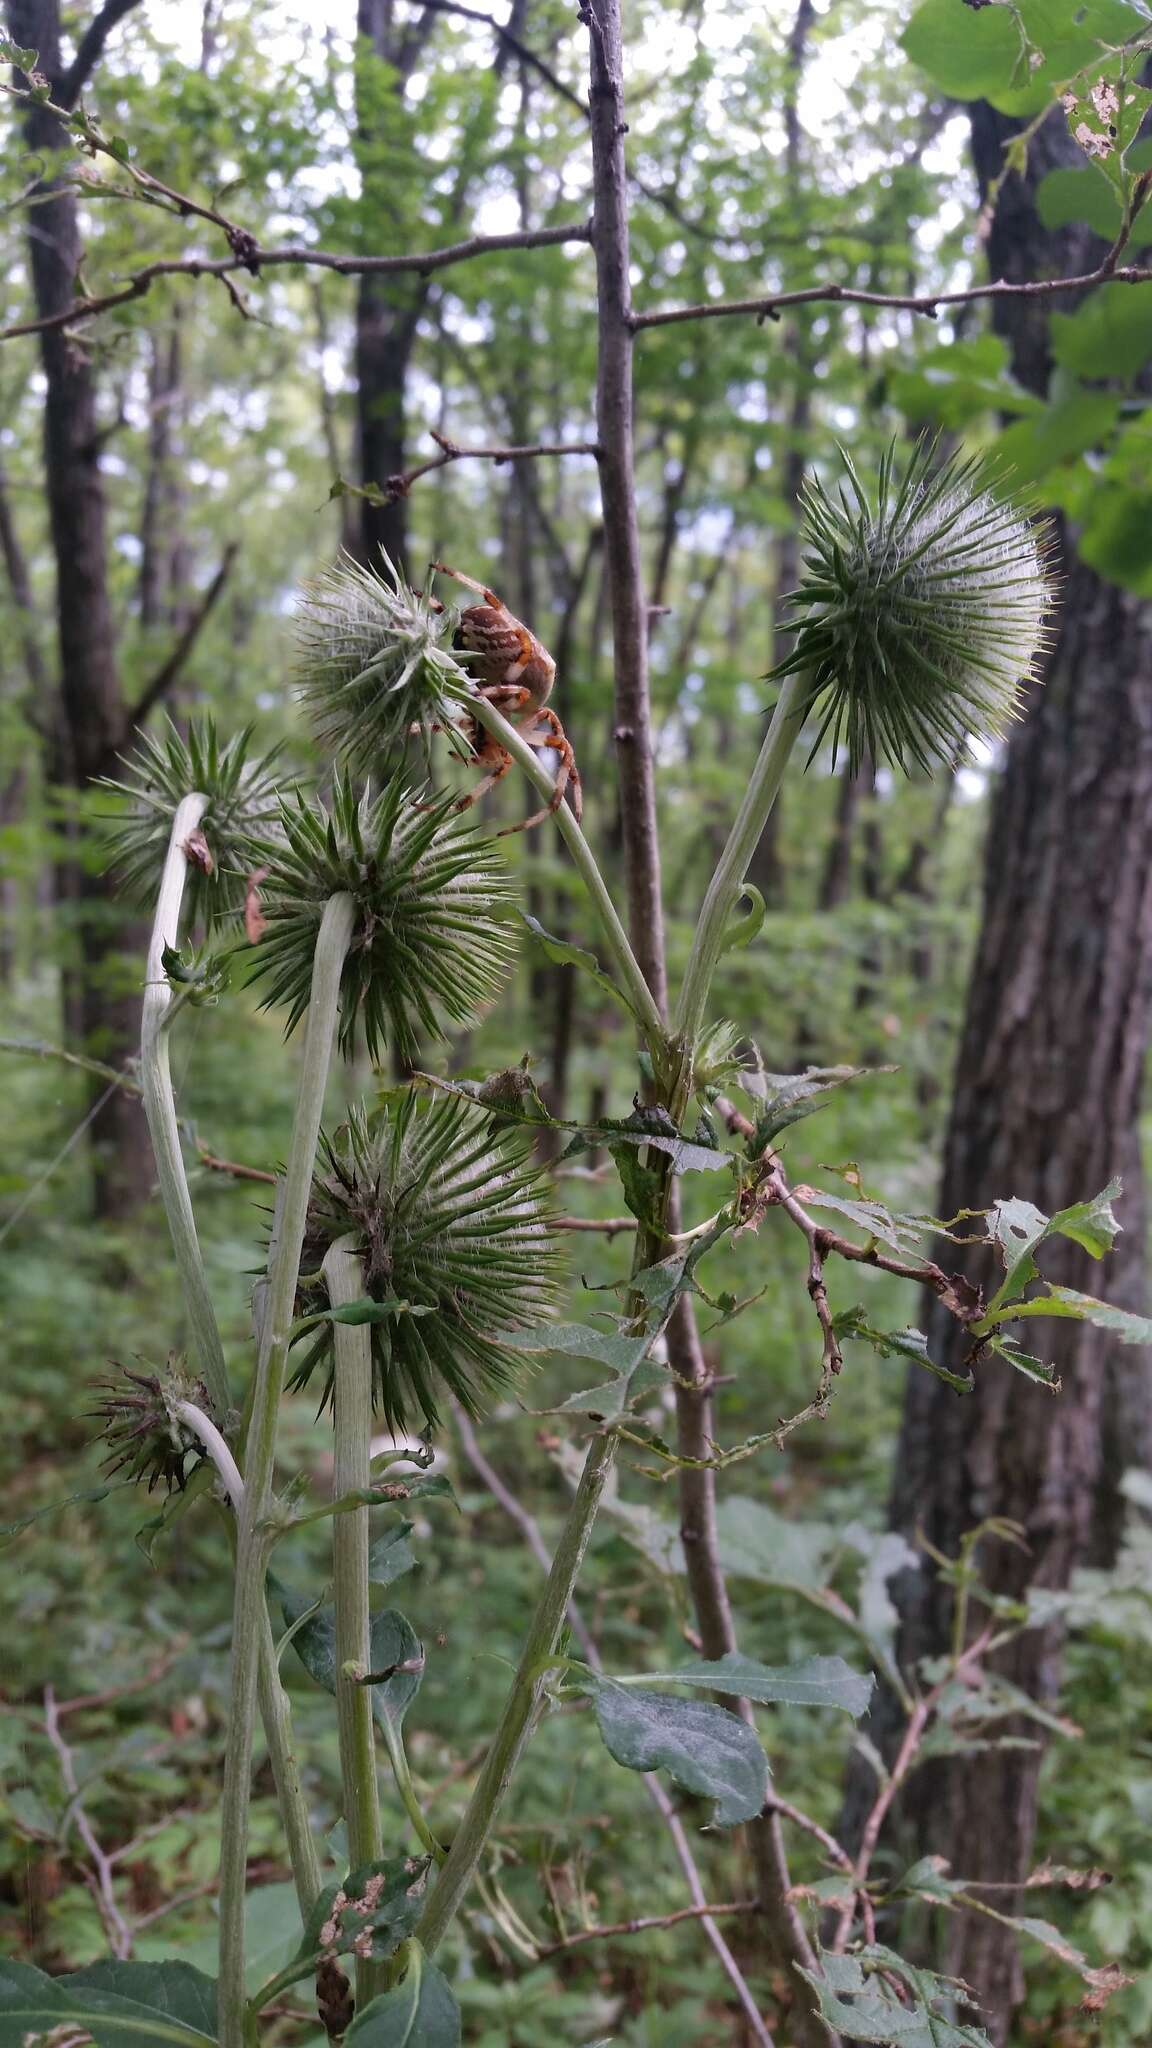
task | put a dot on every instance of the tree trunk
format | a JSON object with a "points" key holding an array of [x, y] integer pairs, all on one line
{"points": [[104, 1004], [1045, 1106]]}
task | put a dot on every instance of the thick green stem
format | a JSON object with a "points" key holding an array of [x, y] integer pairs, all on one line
{"points": [[627, 966], [352, 1418], [521, 1706], [160, 1110], [723, 892], [275, 1712], [250, 1611]]}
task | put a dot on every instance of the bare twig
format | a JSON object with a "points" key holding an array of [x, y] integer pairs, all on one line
{"points": [[928, 303], [643, 1926], [100, 1876], [399, 486], [530, 1530], [526, 54], [609, 1225], [422, 263], [91, 50]]}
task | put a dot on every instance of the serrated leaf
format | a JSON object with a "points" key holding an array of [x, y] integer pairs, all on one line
{"points": [[1085, 1308], [817, 1682], [1026, 1362], [702, 1747], [879, 2012], [633, 1373], [787, 1098], [899, 1232], [420, 2012], [1017, 1228]]}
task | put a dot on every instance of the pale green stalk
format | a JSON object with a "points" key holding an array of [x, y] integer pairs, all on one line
{"points": [[352, 1421], [160, 1106], [250, 1612], [160, 1110], [275, 1711], [723, 893], [627, 966], [520, 1709]]}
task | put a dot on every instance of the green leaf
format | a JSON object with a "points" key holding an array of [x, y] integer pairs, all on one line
{"points": [[567, 955], [1066, 196], [1025, 1362], [626, 1356], [421, 2012], [817, 1682], [33, 2004], [1066, 1301], [756, 1543], [1117, 538], [89, 1494], [702, 1747], [14, 53], [185, 1994], [878, 2012], [395, 1649], [909, 1343], [391, 1555], [358, 1313], [900, 1232], [1110, 329], [952, 386], [1060, 433], [970, 55], [1017, 1228], [786, 1098]]}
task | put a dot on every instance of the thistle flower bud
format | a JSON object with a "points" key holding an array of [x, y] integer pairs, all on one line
{"points": [[138, 1423], [430, 945], [243, 804], [373, 663], [453, 1224], [921, 617]]}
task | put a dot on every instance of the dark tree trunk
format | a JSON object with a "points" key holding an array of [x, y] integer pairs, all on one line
{"points": [[1046, 1105], [104, 1003]]}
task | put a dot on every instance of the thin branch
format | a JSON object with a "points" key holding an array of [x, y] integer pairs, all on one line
{"points": [[423, 263], [512, 42], [399, 486], [170, 670], [90, 51], [530, 1530], [610, 1225], [832, 1848], [928, 303], [618, 1927], [115, 1926]]}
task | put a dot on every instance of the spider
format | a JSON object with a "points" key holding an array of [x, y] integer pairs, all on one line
{"points": [[515, 672]]}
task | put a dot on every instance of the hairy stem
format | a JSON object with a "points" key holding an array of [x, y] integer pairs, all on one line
{"points": [[724, 889], [352, 1420], [250, 1611], [160, 1110], [275, 1712]]}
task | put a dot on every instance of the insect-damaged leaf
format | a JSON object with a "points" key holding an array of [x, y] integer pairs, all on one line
{"points": [[863, 2005], [786, 1098], [702, 1747], [625, 1355], [1017, 1228], [382, 1899], [909, 1343]]}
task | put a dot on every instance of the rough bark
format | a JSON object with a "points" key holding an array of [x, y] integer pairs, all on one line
{"points": [[103, 1009], [1045, 1105]]}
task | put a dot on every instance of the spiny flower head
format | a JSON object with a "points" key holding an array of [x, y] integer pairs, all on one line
{"points": [[137, 1418], [431, 946], [243, 803], [374, 665], [922, 616], [454, 1228]]}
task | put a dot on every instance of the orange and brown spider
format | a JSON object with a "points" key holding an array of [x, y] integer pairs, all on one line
{"points": [[515, 672]]}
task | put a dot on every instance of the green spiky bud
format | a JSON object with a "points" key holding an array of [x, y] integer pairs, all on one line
{"points": [[375, 664], [921, 616], [453, 1223], [243, 804], [431, 946]]}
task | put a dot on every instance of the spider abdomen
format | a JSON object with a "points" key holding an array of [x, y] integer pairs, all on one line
{"points": [[505, 654]]}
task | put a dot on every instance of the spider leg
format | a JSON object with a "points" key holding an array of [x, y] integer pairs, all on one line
{"points": [[545, 730], [469, 583]]}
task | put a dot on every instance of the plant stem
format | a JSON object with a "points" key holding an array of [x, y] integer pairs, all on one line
{"points": [[520, 1708], [275, 1712], [723, 891], [160, 1110], [352, 1420], [627, 965], [250, 1612]]}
